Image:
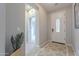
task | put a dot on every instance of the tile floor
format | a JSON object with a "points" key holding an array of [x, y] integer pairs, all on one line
{"points": [[53, 49]]}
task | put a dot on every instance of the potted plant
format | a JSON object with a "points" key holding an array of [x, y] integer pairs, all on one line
{"points": [[17, 41]]}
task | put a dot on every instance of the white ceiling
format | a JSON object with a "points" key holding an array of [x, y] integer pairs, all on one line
{"points": [[54, 6]]}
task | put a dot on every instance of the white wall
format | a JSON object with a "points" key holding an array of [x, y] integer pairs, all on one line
{"points": [[42, 26], [15, 20], [2, 29], [75, 35], [68, 26]]}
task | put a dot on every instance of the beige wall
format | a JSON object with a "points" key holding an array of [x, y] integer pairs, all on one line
{"points": [[68, 26], [42, 25]]}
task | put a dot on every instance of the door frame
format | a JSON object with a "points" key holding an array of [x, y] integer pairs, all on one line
{"points": [[62, 11], [26, 26]]}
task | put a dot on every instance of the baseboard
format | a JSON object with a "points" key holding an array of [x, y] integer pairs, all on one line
{"points": [[76, 52], [58, 42], [68, 44], [73, 49], [43, 44]]}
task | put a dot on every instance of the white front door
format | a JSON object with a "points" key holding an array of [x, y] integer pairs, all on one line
{"points": [[58, 27]]}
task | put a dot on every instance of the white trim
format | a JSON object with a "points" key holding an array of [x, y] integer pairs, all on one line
{"points": [[73, 49], [73, 30]]}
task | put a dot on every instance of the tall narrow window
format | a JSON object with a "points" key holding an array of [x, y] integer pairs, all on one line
{"points": [[31, 23], [57, 25], [33, 28]]}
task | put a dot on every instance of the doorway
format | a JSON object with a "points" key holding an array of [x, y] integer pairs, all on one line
{"points": [[58, 27], [31, 28]]}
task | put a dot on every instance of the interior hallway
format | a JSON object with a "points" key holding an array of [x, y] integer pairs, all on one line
{"points": [[49, 19], [47, 22]]}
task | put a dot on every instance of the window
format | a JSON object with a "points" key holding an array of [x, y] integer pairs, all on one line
{"points": [[31, 23], [57, 25], [33, 27]]}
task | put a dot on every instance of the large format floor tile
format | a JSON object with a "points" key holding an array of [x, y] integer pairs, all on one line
{"points": [[54, 49]]}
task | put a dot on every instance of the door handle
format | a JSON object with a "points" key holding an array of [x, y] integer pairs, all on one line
{"points": [[52, 29]]}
